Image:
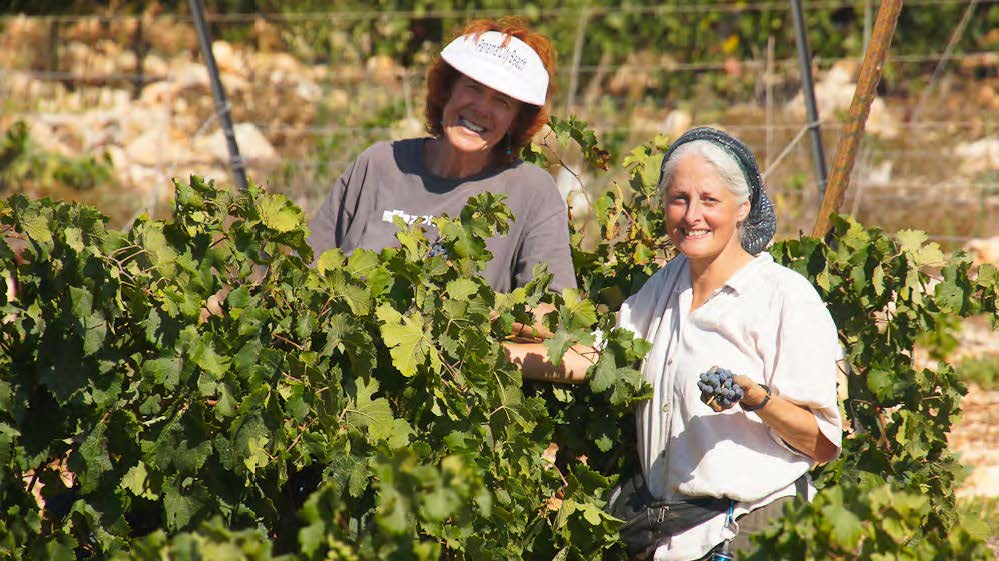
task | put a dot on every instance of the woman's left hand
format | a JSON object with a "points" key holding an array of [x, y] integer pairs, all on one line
{"points": [[795, 424], [753, 394]]}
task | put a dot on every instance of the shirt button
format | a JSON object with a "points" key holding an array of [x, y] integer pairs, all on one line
{"points": [[666, 408], [669, 362]]}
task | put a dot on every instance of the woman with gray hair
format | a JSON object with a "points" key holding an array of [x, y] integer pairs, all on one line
{"points": [[712, 473]]}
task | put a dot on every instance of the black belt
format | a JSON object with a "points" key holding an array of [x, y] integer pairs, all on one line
{"points": [[648, 519]]}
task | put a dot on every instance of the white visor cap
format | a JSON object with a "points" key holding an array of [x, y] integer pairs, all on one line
{"points": [[514, 69]]}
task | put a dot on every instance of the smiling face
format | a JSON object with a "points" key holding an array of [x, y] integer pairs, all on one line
{"points": [[702, 213], [477, 117]]}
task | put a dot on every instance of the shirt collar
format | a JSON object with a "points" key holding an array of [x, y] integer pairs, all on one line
{"points": [[739, 282]]}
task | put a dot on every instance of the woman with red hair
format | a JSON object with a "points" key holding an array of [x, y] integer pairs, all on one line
{"points": [[487, 95]]}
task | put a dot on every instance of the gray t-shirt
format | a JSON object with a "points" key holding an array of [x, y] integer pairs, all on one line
{"points": [[390, 179]]}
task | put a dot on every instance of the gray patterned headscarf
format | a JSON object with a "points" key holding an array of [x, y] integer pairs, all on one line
{"points": [[761, 224]]}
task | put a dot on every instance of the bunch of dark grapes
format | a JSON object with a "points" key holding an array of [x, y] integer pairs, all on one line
{"points": [[717, 384], [437, 249]]}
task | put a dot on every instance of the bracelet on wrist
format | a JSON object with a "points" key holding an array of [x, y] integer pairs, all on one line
{"points": [[759, 405]]}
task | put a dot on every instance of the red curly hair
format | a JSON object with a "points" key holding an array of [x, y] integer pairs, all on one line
{"points": [[441, 78]]}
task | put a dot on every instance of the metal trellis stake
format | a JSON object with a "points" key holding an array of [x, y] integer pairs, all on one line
{"points": [[221, 105], [860, 107], [808, 91]]}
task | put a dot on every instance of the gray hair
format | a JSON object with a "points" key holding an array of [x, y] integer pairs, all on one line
{"points": [[722, 160]]}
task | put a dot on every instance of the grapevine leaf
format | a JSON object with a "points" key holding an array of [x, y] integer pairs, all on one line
{"points": [[401, 433], [279, 213], [330, 260], [137, 481], [36, 226], [256, 452], [74, 239], [209, 360], [557, 345], [90, 322], [91, 460], [180, 506], [604, 443], [238, 298], [357, 297], [603, 374], [461, 289], [910, 241], [439, 504], [576, 312], [372, 413], [846, 527], [359, 479], [877, 281], [362, 262], [162, 371], [881, 382], [949, 295], [930, 254], [404, 336]]}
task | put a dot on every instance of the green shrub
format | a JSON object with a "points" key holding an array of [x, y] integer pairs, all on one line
{"points": [[214, 396], [982, 371]]}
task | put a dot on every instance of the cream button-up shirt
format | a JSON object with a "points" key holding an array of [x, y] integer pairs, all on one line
{"points": [[768, 323]]}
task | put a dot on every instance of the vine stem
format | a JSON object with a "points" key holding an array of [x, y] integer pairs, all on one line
{"points": [[283, 339], [884, 429], [301, 430], [34, 478]]}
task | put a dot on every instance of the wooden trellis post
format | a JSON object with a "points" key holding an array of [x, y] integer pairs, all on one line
{"points": [[860, 108]]}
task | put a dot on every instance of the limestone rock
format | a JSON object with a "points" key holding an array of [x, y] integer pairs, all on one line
{"points": [[253, 146], [834, 92], [156, 147], [384, 70], [154, 65], [676, 123], [229, 59], [985, 250], [978, 156]]}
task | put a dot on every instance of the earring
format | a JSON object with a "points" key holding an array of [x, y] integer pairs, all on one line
{"points": [[508, 150]]}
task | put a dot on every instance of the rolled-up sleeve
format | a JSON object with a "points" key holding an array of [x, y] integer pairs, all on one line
{"points": [[807, 358], [546, 240]]}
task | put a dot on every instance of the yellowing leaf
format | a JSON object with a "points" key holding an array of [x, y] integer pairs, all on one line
{"points": [[910, 241], [877, 280], [930, 254], [404, 336], [576, 312], [279, 213], [257, 457], [362, 261], [731, 44], [330, 260]]}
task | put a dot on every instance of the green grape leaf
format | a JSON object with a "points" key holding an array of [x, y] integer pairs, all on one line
{"points": [[137, 481], [372, 413]]}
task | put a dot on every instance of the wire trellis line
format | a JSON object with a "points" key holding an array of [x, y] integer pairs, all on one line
{"points": [[984, 57], [693, 8]]}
